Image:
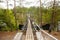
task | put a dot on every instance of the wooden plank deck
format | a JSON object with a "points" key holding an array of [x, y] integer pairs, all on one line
{"points": [[29, 33]]}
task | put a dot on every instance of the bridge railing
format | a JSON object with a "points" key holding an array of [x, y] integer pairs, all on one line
{"points": [[46, 35]]}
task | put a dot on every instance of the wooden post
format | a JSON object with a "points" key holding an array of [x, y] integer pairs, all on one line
{"points": [[53, 15], [7, 4], [40, 14], [15, 13]]}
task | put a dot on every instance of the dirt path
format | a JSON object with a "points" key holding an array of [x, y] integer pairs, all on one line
{"points": [[7, 35]]}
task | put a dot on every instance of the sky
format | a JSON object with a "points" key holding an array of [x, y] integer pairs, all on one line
{"points": [[25, 3]]}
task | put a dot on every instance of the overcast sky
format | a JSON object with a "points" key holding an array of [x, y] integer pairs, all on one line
{"points": [[25, 3]]}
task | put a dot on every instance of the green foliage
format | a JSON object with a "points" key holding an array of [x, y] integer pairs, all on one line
{"points": [[21, 14], [8, 18]]}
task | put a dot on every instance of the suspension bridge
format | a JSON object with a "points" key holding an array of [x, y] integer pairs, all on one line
{"points": [[30, 32]]}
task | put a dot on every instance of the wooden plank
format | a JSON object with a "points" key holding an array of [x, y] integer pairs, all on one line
{"points": [[18, 36], [39, 36], [29, 33]]}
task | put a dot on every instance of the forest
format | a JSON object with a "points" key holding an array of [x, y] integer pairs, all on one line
{"points": [[11, 18]]}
